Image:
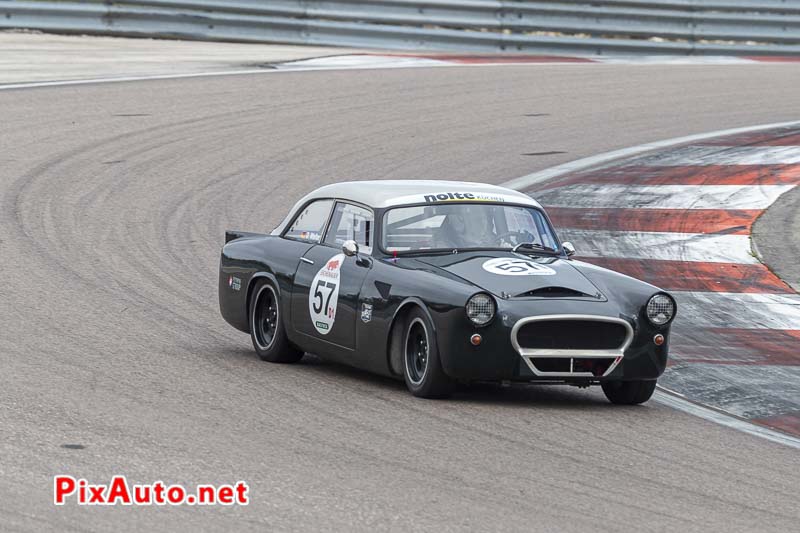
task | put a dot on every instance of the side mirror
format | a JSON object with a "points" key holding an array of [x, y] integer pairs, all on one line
{"points": [[568, 248], [350, 248]]}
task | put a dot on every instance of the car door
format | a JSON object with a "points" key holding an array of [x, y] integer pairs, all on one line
{"points": [[327, 284]]}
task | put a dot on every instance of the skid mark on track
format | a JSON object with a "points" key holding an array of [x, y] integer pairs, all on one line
{"points": [[727, 221], [725, 155], [662, 246], [697, 276]]}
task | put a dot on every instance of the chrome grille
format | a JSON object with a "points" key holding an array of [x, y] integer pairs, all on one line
{"points": [[571, 345]]}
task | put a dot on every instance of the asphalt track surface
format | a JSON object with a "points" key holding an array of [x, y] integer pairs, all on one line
{"points": [[114, 202], [777, 235]]}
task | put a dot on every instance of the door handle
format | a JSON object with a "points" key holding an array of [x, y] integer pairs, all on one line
{"points": [[304, 260]]}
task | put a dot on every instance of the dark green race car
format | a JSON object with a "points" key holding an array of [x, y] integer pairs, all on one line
{"points": [[440, 283]]}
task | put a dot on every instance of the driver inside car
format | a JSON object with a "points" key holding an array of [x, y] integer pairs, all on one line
{"points": [[466, 227]]}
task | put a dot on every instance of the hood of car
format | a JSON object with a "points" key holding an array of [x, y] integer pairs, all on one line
{"points": [[510, 275]]}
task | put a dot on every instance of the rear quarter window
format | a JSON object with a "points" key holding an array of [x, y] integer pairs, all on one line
{"points": [[309, 224]]}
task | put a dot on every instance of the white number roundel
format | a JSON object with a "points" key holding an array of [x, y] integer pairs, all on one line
{"points": [[510, 266], [324, 295]]}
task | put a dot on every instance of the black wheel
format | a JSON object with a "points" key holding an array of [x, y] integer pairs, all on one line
{"points": [[628, 392], [266, 326], [421, 366]]}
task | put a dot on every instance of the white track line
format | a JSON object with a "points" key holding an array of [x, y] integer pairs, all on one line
{"points": [[360, 62], [91, 81], [278, 68], [663, 196], [678, 402]]}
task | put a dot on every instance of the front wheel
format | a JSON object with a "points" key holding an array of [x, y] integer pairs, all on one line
{"points": [[266, 326], [422, 369], [628, 392]]}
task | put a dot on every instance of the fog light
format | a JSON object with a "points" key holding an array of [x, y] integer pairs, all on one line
{"points": [[476, 340], [658, 339]]}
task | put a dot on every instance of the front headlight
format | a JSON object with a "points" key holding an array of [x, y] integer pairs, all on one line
{"points": [[660, 309], [480, 309]]}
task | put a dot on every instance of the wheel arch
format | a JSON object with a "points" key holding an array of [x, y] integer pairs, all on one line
{"points": [[254, 279], [394, 343]]}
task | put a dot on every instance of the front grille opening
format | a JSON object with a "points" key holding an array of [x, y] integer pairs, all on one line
{"points": [[550, 364], [572, 335], [597, 366]]}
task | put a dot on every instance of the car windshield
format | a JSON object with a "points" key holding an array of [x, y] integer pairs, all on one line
{"points": [[467, 226]]}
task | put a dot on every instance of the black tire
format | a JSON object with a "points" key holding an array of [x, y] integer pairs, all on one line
{"points": [[266, 326], [422, 369], [628, 392]]}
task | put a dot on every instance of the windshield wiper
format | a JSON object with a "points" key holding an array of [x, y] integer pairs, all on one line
{"points": [[533, 246]]}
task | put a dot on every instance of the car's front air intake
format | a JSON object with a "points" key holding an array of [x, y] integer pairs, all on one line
{"points": [[571, 345], [568, 334]]}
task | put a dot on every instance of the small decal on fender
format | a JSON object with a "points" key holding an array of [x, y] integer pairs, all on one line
{"points": [[366, 313]]}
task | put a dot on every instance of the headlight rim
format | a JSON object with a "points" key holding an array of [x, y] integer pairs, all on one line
{"points": [[494, 309], [672, 316]]}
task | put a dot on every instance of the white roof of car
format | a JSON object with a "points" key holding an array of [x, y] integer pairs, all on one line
{"points": [[389, 193], [381, 194]]}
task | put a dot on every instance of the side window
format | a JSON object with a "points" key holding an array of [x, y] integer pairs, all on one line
{"points": [[351, 222], [310, 222]]}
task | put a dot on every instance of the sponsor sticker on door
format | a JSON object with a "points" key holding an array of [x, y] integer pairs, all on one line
{"points": [[323, 298]]}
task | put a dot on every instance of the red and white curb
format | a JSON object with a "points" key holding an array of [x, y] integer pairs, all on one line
{"points": [[678, 214], [432, 59]]}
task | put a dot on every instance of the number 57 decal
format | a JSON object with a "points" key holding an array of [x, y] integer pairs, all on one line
{"points": [[318, 297], [323, 297]]}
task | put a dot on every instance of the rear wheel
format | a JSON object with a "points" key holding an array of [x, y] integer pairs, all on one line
{"points": [[629, 392], [266, 326], [422, 369]]}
